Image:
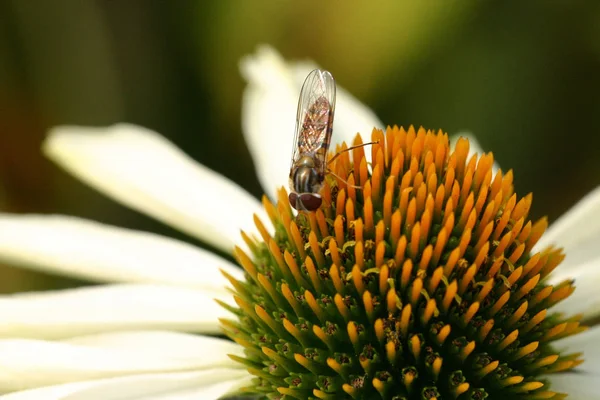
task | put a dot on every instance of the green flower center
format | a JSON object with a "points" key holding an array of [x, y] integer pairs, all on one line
{"points": [[413, 281]]}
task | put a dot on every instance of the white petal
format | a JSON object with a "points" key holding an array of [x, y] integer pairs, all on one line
{"points": [[68, 313], [163, 344], [579, 386], [145, 171], [586, 342], [209, 385], [586, 298], [577, 231], [91, 250], [26, 363], [269, 114]]}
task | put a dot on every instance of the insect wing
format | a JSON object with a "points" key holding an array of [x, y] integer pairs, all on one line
{"points": [[314, 121]]}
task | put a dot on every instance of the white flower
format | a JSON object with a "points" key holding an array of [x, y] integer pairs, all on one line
{"points": [[142, 332]]}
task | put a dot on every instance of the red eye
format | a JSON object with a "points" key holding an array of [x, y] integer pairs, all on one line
{"points": [[293, 197], [305, 201], [311, 202]]}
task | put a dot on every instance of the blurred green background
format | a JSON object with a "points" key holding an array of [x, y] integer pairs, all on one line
{"points": [[522, 76]]}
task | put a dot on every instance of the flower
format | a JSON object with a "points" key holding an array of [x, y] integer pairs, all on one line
{"points": [[142, 333]]}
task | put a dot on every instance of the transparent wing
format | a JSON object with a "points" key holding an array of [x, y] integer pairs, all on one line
{"points": [[314, 121]]}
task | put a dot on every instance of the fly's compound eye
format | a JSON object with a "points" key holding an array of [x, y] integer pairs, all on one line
{"points": [[293, 197], [310, 201]]}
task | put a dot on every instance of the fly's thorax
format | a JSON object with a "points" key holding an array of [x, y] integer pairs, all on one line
{"points": [[305, 177]]}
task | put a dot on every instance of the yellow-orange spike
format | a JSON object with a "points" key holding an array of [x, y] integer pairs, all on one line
{"points": [[539, 227], [464, 241], [376, 184], [484, 236], [314, 306], [391, 301], [341, 306], [439, 202], [379, 232], [429, 311], [531, 264], [312, 274], [448, 222], [334, 252], [452, 260], [467, 350], [357, 279], [316, 249], [508, 340], [245, 262], [449, 181], [415, 293], [449, 295], [379, 329], [466, 211], [529, 387], [514, 276], [293, 267], [540, 296], [522, 208], [561, 293], [321, 223], [554, 332], [495, 268], [405, 319], [485, 290], [415, 346], [482, 254], [501, 302], [396, 224], [368, 215], [359, 254], [270, 209], [400, 251], [471, 311], [485, 219], [340, 202], [406, 273], [350, 215], [425, 225], [379, 254], [537, 318], [435, 280], [503, 244], [353, 334], [420, 197], [264, 233], [443, 334], [467, 278], [334, 365], [338, 228], [526, 288], [292, 330], [440, 244], [291, 299], [517, 253], [426, 258], [485, 329], [297, 239], [525, 350], [384, 274], [368, 304], [512, 380], [415, 240], [488, 368]]}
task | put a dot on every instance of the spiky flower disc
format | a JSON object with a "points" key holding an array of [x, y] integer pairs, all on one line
{"points": [[420, 284]]}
